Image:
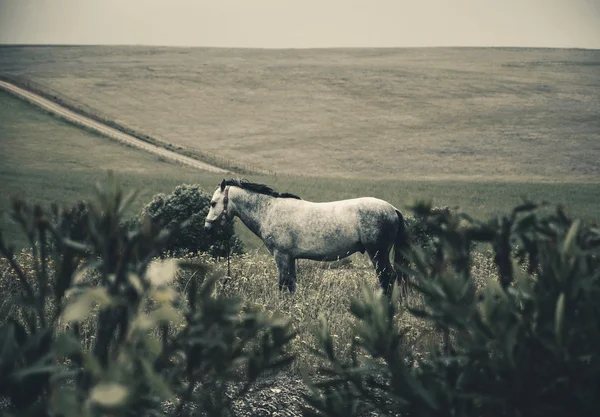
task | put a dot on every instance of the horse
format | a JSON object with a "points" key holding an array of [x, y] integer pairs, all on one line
{"points": [[292, 228]]}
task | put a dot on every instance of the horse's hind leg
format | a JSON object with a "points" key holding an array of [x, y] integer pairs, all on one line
{"points": [[286, 265], [383, 267]]}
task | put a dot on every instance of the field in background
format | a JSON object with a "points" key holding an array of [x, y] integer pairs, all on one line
{"points": [[403, 114], [43, 159]]}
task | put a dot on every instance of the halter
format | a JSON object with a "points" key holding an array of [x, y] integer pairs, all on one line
{"points": [[225, 203]]}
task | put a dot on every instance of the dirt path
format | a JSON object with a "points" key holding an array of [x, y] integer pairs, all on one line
{"points": [[105, 130]]}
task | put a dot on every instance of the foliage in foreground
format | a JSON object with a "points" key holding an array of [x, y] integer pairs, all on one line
{"points": [[528, 345], [151, 345]]}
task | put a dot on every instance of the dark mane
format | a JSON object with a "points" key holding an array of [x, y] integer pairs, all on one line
{"points": [[259, 188]]}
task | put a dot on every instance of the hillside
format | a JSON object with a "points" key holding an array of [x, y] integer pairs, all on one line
{"points": [[44, 160], [518, 115]]}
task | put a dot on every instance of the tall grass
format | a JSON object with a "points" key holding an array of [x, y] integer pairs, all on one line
{"points": [[325, 291]]}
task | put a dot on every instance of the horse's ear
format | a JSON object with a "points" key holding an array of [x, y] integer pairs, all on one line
{"points": [[223, 184]]}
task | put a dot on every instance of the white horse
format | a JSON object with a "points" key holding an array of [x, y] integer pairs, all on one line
{"points": [[292, 228]]}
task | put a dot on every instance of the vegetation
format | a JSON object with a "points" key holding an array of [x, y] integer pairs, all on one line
{"points": [[104, 326], [527, 344], [45, 161], [146, 344], [191, 203], [93, 322], [67, 172]]}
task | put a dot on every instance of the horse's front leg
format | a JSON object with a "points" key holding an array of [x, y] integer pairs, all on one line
{"points": [[286, 265]]}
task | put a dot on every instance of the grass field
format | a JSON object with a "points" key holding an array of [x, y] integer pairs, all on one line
{"points": [[43, 159], [475, 128], [493, 114], [538, 145]]}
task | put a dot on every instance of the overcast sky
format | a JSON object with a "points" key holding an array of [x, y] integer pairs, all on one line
{"points": [[303, 23]]}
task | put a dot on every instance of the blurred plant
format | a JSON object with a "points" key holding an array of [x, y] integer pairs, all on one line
{"points": [[419, 231], [151, 344], [528, 345]]}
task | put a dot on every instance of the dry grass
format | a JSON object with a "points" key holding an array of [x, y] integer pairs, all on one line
{"points": [[324, 292], [433, 113], [44, 160]]}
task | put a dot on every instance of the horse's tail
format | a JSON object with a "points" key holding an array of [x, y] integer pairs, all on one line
{"points": [[401, 246]]}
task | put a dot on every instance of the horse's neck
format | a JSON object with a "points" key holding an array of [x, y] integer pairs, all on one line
{"points": [[250, 208]]}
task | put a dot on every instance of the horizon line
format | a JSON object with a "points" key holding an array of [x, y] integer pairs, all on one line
{"points": [[3, 44]]}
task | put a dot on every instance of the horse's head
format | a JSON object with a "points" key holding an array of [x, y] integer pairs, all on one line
{"points": [[218, 207]]}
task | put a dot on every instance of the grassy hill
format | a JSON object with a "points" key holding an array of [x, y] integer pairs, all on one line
{"points": [[46, 160], [481, 140], [475, 128], [412, 114]]}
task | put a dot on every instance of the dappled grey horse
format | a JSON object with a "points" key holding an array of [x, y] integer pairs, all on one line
{"points": [[292, 228]]}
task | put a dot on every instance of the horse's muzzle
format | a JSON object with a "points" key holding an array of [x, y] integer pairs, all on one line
{"points": [[207, 226]]}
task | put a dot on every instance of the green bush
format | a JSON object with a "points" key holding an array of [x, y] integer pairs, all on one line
{"points": [[527, 344], [125, 342], [418, 230], [190, 202], [95, 327]]}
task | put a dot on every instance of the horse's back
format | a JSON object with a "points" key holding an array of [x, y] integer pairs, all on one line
{"points": [[367, 206], [366, 203], [330, 229], [364, 218], [347, 207]]}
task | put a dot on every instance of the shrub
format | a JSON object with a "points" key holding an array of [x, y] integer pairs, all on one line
{"points": [[418, 230], [190, 202], [527, 345], [150, 343]]}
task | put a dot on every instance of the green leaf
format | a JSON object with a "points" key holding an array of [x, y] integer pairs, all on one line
{"points": [[92, 365], [135, 281], [109, 394], [37, 370], [76, 246], [125, 204], [12, 335], [80, 308], [526, 206], [510, 341], [559, 317], [66, 344], [64, 402], [570, 238], [165, 314], [157, 383], [162, 272], [424, 394]]}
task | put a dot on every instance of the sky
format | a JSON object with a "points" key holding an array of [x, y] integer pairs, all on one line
{"points": [[304, 23]]}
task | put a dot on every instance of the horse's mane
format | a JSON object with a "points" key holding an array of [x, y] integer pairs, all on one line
{"points": [[259, 188]]}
